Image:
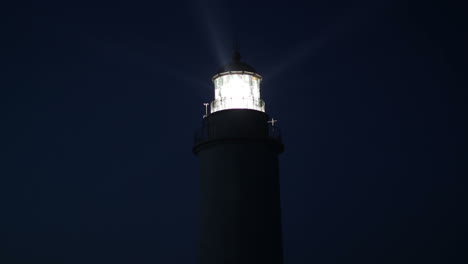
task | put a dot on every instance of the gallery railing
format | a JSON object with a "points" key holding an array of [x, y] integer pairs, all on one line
{"points": [[202, 134]]}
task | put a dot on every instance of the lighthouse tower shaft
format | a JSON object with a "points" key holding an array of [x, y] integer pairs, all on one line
{"points": [[240, 196]]}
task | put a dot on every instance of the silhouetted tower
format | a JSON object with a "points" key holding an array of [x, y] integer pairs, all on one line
{"points": [[238, 147]]}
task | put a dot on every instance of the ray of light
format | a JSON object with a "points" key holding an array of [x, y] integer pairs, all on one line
{"points": [[214, 34], [300, 52], [333, 32]]}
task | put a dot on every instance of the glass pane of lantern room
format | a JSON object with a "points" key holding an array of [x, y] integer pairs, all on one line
{"points": [[237, 91]]}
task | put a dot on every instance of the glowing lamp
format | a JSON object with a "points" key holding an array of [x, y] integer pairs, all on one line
{"points": [[237, 86]]}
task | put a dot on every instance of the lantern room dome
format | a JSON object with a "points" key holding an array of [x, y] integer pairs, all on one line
{"points": [[236, 65]]}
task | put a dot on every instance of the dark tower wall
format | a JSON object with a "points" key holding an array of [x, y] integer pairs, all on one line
{"points": [[240, 203]]}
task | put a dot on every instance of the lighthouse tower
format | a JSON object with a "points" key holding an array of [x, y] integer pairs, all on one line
{"points": [[238, 147]]}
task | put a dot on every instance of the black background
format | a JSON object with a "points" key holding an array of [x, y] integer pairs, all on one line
{"points": [[99, 102]]}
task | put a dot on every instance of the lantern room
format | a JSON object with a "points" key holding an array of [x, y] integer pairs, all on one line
{"points": [[237, 86]]}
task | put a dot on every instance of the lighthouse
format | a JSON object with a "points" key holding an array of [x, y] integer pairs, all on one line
{"points": [[238, 147]]}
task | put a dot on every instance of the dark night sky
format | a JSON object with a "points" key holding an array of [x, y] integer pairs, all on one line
{"points": [[99, 102]]}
